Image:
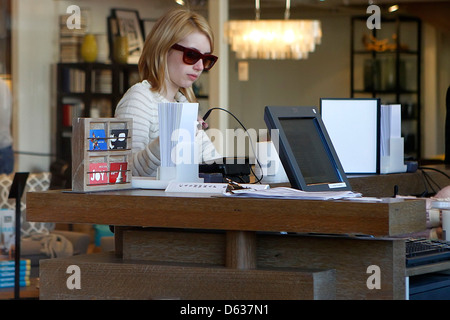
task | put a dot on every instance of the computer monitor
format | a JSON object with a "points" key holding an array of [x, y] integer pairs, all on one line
{"points": [[305, 149], [353, 125]]}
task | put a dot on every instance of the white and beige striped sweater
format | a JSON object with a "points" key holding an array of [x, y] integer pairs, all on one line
{"points": [[141, 104]]}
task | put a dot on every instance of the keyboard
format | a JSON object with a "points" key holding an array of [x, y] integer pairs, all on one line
{"points": [[424, 251]]}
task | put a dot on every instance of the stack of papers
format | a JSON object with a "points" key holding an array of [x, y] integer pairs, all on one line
{"points": [[290, 193], [177, 125], [169, 121], [390, 126]]}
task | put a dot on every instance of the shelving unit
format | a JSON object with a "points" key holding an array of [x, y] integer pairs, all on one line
{"points": [[90, 90], [385, 64], [101, 154]]}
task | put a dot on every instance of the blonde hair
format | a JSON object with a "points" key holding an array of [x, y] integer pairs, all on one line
{"points": [[168, 30]]}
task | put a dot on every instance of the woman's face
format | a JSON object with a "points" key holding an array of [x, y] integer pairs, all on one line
{"points": [[182, 75]]}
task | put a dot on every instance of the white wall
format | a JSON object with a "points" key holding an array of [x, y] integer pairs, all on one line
{"points": [[32, 41]]}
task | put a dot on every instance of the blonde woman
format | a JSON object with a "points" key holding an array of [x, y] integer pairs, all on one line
{"points": [[176, 52]]}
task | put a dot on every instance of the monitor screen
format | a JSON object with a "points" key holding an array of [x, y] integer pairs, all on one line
{"points": [[353, 126], [305, 149]]}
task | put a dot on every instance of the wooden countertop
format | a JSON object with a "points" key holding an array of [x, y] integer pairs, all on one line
{"points": [[157, 208]]}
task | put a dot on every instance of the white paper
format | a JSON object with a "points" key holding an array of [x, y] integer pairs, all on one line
{"points": [[213, 188], [186, 152], [353, 129], [290, 193], [390, 126], [177, 129], [149, 183], [169, 116], [177, 125]]}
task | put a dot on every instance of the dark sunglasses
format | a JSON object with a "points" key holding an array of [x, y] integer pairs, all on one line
{"points": [[191, 56]]}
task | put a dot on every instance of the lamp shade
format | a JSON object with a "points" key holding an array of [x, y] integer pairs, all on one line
{"points": [[273, 39]]}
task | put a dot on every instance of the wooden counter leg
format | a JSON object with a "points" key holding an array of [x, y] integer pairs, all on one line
{"points": [[118, 241], [241, 250]]}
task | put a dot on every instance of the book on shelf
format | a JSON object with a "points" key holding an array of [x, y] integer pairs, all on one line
{"points": [[71, 109], [70, 48], [70, 39], [4, 275], [5, 271], [24, 273], [11, 279], [7, 233], [8, 274], [11, 263], [73, 80], [10, 284], [100, 108], [102, 81]]}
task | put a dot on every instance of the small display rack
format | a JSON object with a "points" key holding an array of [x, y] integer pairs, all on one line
{"points": [[101, 154]]}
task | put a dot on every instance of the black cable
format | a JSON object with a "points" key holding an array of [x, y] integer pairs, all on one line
{"points": [[425, 185], [258, 180], [429, 180], [434, 169], [433, 180]]}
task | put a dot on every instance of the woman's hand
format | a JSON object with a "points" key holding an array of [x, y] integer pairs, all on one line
{"points": [[202, 123]]}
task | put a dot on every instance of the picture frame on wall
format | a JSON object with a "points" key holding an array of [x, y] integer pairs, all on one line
{"points": [[113, 32], [147, 25], [129, 25]]}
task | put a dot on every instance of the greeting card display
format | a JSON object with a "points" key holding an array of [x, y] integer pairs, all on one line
{"points": [[101, 154]]}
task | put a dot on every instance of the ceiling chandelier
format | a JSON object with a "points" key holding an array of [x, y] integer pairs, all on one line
{"points": [[273, 39]]}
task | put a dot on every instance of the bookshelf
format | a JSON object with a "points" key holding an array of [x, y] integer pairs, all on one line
{"points": [[101, 154], [90, 90], [386, 64]]}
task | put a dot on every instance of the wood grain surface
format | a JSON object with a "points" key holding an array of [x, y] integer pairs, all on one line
{"points": [[189, 210]]}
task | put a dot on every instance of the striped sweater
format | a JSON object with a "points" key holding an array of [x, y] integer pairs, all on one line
{"points": [[141, 104]]}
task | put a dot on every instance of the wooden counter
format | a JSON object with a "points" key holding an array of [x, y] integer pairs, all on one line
{"points": [[200, 211], [409, 184], [197, 246]]}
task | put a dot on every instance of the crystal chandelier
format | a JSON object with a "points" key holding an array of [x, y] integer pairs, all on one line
{"points": [[273, 39]]}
